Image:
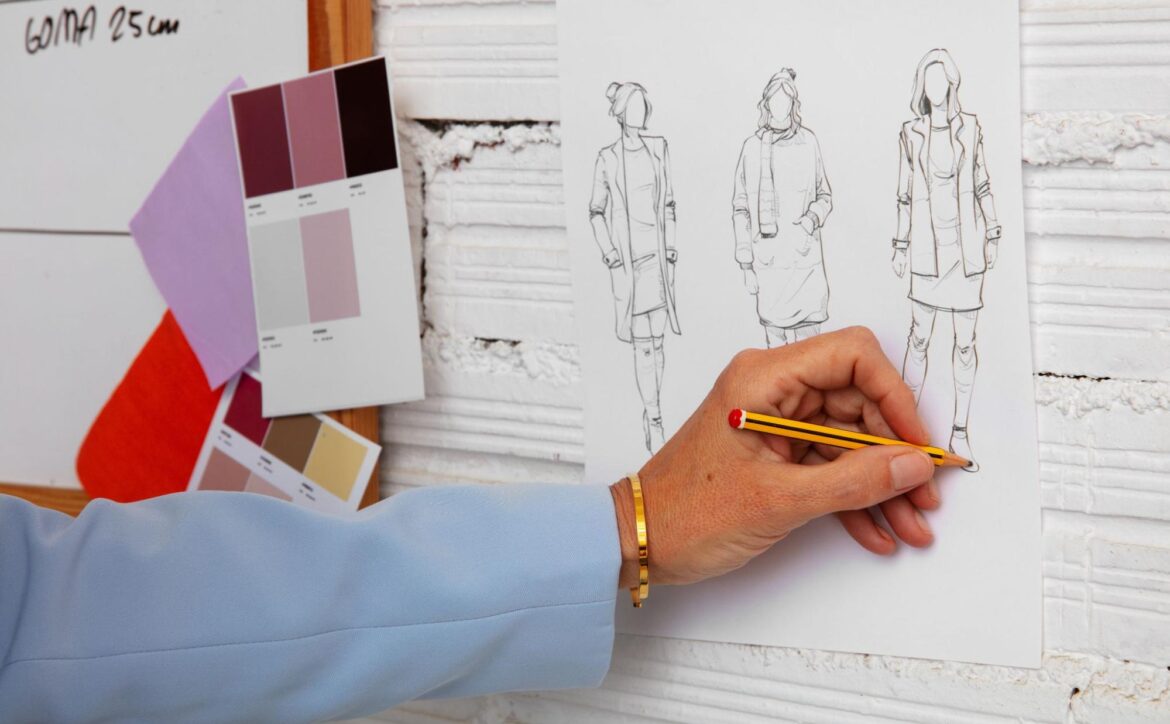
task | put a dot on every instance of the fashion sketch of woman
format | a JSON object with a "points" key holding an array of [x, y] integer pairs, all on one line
{"points": [[948, 234], [632, 214], [782, 199]]}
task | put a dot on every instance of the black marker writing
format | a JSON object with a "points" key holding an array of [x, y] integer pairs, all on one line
{"points": [[72, 26]]}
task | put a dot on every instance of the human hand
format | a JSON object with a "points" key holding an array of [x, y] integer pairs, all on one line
{"points": [[612, 259], [716, 497], [899, 262], [750, 282], [806, 222]]}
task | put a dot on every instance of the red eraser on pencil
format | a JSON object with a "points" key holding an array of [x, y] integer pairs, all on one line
{"points": [[735, 418]]}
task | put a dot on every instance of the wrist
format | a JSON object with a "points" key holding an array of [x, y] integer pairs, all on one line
{"points": [[623, 504]]}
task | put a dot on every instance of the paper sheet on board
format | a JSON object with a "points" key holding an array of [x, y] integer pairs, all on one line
{"points": [[325, 212], [190, 230], [308, 460], [674, 228]]}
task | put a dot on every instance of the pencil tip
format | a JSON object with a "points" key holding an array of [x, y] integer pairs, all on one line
{"points": [[952, 459]]}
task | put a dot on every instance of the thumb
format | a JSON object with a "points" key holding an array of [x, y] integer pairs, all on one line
{"points": [[861, 478]]}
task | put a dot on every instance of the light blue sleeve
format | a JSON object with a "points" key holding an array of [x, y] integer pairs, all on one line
{"points": [[216, 607]]}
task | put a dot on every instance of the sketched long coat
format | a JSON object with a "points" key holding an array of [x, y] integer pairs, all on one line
{"points": [[976, 206], [609, 200]]}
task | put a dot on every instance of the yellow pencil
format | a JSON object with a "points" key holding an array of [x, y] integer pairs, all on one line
{"points": [[744, 420]]}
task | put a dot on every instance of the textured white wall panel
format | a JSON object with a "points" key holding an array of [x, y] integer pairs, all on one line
{"points": [[496, 60], [504, 389]]}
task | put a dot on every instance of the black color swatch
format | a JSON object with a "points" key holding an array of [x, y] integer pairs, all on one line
{"points": [[367, 120]]}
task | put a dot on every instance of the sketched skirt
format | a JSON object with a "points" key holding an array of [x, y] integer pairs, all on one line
{"points": [[791, 273], [952, 290]]}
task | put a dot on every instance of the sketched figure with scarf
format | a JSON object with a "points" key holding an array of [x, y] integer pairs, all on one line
{"points": [[948, 234], [632, 214], [781, 201]]}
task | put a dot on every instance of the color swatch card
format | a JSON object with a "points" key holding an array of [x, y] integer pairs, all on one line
{"points": [[310, 460], [332, 276]]}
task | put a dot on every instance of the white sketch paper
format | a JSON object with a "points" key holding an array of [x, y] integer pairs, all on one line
{"points": [[909, 107]]}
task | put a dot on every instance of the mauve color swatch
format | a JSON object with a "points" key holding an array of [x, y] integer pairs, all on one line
{"points": [[243, 414], [263, 141], [223, 473], [330, 271], [310, 104], [260, 486], [367, 120]]}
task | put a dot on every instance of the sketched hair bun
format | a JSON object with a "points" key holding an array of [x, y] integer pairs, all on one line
{"points": [[612, 90]]}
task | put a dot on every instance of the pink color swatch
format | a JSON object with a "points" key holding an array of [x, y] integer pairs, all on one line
{"points": [[330, 270], [314, 131]]}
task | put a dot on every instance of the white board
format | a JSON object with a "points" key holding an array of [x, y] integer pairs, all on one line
{"points": [[96, 105], [88, 124], [74, 311], [974, 595]]}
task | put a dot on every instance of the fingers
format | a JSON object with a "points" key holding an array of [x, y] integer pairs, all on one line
{"points": [[907, 521], [865, 530], [926, 496], [855, 480], [853, 357]]}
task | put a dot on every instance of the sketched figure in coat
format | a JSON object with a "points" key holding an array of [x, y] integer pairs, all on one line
{"points": [[782, 199], [946, 226], [632, 214]]}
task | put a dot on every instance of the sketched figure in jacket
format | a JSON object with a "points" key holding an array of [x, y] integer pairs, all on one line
{"points": [[782, 199], [947, 229], [632, 214]]}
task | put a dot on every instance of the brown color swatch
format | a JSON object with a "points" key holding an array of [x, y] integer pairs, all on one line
{"points": [[291, 439]]}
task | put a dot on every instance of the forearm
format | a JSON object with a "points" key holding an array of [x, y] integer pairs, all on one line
{"points": [[601, 234], [990, 219], [213, 606], [623, 503], [902, 236], [742, 224]]}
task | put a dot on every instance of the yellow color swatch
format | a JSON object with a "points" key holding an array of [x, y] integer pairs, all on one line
{"points": [[335, 462]]}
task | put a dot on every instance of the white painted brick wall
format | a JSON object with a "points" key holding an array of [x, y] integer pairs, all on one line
{"points": [[505, 394]]}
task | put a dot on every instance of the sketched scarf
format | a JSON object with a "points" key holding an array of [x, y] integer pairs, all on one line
{"points": [[767, 198]]}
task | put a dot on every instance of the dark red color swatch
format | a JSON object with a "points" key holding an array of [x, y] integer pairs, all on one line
{"points": [[367, 119], [146, 439], [243, 413], [263, 141]]}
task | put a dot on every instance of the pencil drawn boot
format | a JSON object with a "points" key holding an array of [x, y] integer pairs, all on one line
{"points": [[632, 213]]}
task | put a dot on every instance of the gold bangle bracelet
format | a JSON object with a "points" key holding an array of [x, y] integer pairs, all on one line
{"points": [[640, 592]]}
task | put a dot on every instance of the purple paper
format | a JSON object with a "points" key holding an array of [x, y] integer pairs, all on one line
{"points": [[191, 233]]}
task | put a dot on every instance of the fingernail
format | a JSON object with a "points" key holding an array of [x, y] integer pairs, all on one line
{"points": [[910, 469], [885, 536], [922, 522], [932, 491]]}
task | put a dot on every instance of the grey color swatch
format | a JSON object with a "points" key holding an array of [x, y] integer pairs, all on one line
{"points": [[278, 273]]}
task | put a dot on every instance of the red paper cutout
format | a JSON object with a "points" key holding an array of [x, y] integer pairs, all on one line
{"points": [[146, 439]]}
